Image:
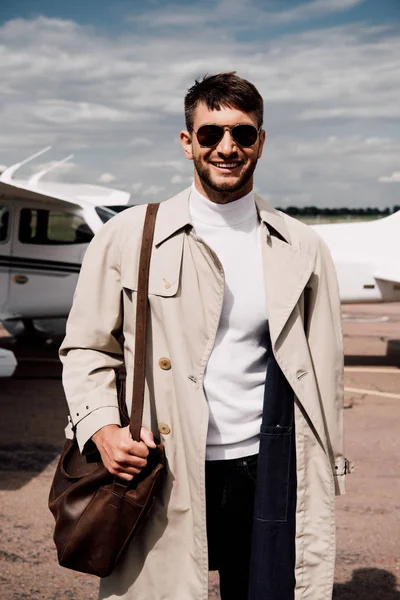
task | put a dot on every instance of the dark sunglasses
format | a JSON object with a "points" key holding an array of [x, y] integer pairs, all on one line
{"points": [[243, 134]]}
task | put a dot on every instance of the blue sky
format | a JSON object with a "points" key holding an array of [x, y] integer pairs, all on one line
{"points": [[106, 81], [112, 15]]}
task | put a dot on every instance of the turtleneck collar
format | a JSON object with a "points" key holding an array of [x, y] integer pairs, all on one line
{"points": [[221, 215]]}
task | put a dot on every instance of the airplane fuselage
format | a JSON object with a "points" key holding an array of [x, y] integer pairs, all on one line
{"points": [[366, 257], [40, 256]]}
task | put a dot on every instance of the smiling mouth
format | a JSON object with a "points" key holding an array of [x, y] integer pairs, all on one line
{"points": [[227, 165]]}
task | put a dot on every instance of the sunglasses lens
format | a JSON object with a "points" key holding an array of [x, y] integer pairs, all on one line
{"points": [[209, 135], [244, 135]]}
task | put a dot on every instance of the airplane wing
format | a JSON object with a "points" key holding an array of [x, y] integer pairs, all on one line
{"points": [[388, 273], [18, 189], [78, 194]]}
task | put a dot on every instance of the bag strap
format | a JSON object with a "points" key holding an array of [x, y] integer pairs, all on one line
{"points": [[142, 304]]}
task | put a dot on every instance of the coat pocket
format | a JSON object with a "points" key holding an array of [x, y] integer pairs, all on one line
{"points": [[160, 287], [272, 488], [165, 267]]}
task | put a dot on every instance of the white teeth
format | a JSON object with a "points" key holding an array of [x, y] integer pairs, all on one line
{"points": [[226, 165]]}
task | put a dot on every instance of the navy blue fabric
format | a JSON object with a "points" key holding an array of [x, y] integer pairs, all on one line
{"points": [[274, 521]]}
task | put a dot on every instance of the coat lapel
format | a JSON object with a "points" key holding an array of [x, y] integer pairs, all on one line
{"points": [[287, 271]]}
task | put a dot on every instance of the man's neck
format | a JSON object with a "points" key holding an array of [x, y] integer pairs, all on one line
{"points": [[221, 215], [221, 197]]}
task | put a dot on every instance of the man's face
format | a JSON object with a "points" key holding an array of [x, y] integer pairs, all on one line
{"points": [[223, 172]]}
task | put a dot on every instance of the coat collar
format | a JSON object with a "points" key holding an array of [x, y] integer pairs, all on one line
{"points": [[175, 215], [272, 218]]}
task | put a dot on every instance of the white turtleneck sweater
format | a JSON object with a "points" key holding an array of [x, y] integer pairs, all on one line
{"points": [[235, 375]]}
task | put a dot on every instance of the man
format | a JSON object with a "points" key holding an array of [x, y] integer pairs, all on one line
{"points": [[244, 374]]}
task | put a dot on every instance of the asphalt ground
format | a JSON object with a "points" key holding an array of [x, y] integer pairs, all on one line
{"points": [[33, 415]]}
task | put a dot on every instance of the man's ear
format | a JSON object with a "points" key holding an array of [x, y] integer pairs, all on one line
{"points": [[186, 143], [262, 136]]}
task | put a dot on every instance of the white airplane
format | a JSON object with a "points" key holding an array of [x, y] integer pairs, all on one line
{"points": [[45, 228], [367, 258]]}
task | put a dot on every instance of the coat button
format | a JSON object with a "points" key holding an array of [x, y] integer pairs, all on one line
{"points": [[165, 364], [164, 428]]}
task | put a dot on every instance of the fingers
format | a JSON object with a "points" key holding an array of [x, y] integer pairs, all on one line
{"points": [[123, 465], [127, 473], [147, 437], [121, 455], [124, 476], [125, 459], [138, 449]]}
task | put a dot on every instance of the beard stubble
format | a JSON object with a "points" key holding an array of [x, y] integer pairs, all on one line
{"points": [[223, 187]]}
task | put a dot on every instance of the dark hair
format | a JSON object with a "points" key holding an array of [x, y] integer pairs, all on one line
{"points": [[227, 90]]}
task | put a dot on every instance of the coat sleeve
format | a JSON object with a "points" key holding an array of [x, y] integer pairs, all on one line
{"points": [[91, 352], [325, 338]]}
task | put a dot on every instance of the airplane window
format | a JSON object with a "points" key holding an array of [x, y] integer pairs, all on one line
{"points": [[4, 219], [105, 213], [68, 228], [51, 228]]}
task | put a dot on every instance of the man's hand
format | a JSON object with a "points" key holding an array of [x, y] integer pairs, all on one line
{"points": [[121, 455]]}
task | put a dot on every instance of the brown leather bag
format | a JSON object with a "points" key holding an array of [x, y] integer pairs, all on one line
{"points": [[96, 513]]}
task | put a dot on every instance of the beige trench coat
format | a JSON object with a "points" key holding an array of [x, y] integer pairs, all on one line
{"points": [[168, 560]]}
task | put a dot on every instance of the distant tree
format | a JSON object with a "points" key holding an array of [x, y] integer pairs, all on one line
{"points": [[293, 210], [313, 211]]}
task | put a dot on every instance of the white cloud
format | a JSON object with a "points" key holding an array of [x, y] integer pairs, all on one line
{"points": [[393, 178], [106, 178], [116, 101], [312, 10], [69, 112], [359, 112], [238, 13], [178, 165], [178, 179], [153, 190], [137, 142]]}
